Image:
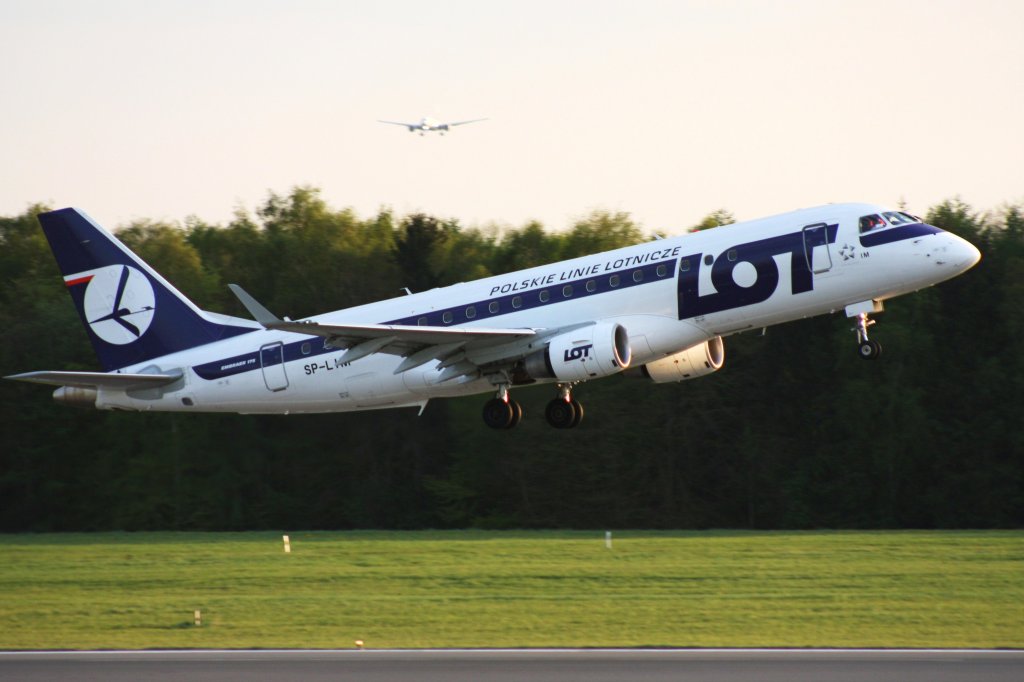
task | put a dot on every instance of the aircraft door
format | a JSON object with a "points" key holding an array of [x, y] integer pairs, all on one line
{"points": [[816, 251], [272, 361]]}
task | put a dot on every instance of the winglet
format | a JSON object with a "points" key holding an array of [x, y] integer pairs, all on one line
{"points": [[255, 308]]}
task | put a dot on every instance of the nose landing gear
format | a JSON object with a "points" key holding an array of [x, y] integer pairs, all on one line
{"points": [[867, 349]]}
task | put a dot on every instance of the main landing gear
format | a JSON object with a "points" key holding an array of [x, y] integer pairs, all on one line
{"points": [[867, 349], [564, 412], [502, 412]]}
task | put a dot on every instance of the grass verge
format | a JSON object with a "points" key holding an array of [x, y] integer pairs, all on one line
{"points": [[513, 589]]}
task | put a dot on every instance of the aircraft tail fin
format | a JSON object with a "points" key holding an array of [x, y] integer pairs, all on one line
{"points": [[130, 312]]}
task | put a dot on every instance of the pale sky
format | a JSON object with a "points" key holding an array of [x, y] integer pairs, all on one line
{"points": [[667, 110]]}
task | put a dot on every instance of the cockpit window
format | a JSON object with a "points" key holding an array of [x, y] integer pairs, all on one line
{"points": [[887, 219], [900, 218], [871, 222]]}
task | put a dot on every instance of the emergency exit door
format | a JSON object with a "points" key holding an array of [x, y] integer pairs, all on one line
{"points": [[819, 259], [272, 361]]}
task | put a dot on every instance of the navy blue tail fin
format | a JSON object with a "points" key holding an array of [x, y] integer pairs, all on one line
{"points": [[130, 312]]}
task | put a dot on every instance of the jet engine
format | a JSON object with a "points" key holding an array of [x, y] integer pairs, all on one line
{"points": [[590, 352], [696, 361]]}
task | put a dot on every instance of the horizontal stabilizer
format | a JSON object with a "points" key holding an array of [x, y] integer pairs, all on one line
{"points": [[98, 379]]}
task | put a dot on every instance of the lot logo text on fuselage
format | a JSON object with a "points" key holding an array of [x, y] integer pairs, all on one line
{"points": [[736, 289]]}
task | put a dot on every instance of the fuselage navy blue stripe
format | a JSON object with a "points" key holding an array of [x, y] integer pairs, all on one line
{"points": [[896, 234]]}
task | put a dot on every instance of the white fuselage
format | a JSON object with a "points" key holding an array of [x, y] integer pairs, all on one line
{"points": [[691, 289]]}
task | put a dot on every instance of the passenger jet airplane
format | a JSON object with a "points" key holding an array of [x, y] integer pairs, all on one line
{"points": [[659, 309], [431, 125]]}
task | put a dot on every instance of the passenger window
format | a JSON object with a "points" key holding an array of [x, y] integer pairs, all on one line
{"points": [[470, 312], [613, 281], [684, 265], [422, 322], [306, 348], [544, 296], [591, 286], [662, 271], [709, 259], [447, 317], [567, 291], [638, 275], [731, 255], [493, 307], [517, 302]]}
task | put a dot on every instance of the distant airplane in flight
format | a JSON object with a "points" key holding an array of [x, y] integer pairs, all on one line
{"points": [[431, 125]]}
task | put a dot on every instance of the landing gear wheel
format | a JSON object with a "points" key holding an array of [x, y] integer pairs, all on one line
{"points": [[517, 414], [869, 350], [499, 414], [561, 414], [578, 406]]}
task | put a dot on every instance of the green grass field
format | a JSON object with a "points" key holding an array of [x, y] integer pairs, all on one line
{"points": [[513, 589]]}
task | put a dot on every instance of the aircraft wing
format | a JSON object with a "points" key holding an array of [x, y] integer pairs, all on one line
{"points": [[399, 123], [98, 379], [417, 345], [462, 123], [460, 350], [405, 335]]}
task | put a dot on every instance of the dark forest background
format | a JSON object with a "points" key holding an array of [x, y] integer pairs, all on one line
{"points": [[794, 432]]}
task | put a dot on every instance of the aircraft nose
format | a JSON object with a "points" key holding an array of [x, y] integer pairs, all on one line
{"points": [[962, 254]]}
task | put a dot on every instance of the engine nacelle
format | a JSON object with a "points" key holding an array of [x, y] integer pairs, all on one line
{"points": [[587, 353], [696, 361]]}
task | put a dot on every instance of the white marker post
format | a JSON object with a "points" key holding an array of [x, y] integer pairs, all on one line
{"points": [[607, 539], [287, 545], [198, 617]]}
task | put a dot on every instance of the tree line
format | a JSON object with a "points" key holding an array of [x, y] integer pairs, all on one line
{"points": [[794, 432]]}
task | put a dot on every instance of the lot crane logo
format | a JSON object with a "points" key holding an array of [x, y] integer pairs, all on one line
{"points": [[119, 303]]}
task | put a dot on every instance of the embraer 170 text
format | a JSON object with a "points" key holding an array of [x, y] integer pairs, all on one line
{"points": [[658, 309]]}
